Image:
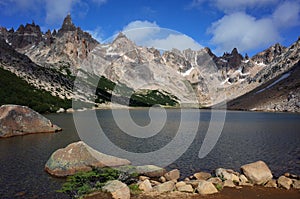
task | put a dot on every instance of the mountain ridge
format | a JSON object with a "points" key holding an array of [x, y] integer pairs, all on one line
{"points": [[192, 76]]}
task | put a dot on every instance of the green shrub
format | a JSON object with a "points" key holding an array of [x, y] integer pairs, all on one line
{"points": [[86, 182], [14, 90]]}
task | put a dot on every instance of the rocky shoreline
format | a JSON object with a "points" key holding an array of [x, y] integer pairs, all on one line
{"points": [[155, 181]]}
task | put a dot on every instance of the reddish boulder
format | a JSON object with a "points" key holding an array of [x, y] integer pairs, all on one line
{"points": [[21, 120]]}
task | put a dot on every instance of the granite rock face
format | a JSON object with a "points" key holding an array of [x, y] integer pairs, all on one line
{"points": [[77, 157], [20, 120]]}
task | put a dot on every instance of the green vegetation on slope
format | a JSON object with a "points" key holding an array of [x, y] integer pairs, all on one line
{"points": [[14, 90], [83, 183], [125, 95]]}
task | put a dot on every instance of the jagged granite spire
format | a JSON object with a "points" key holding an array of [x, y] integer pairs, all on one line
{"points": [[67, 25]]}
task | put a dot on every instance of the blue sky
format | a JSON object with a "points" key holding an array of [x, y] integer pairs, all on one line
{"points": [[249, 25]]}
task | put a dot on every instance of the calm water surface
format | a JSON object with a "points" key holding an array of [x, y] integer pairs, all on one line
{"points": [[246, 137]]}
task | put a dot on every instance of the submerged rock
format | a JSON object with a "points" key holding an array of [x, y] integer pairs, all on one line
{"points": [[20, 120], [257, 172], [77, 157]]}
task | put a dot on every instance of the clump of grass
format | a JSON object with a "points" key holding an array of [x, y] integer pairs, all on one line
{"points": [[219, 187], [83, 183], [134, 189]]}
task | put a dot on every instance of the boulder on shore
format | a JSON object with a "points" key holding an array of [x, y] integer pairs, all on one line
{"points": [[205, 188], [77, 157], [20, 120], [284, 182], [257, 172], [117, 189]]}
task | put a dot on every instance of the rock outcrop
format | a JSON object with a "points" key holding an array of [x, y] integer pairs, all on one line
{"points": [[77, 157], [20, 120]]}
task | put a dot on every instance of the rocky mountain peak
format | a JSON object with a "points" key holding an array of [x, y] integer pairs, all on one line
{"points": [[121, 38], [67, 25], [234, 52], [268, 55], [30, 34], [122, 44]]}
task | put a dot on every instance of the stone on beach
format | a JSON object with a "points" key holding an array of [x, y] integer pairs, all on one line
{"points": [[150, 171], [284, 182], [296, 184], [271, 183], [20, 120], [205, 188], [145, 186], [202, 175], [228, 183], [186, 188], [226, 174], [257, 172], [77, 157], [165, 187], [117, 189], [172, 175]]}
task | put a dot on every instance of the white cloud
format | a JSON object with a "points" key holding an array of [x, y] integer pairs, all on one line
{"points": [[145, 33], [56, 10], [11, 7], [139, 31], [243, 31], [97, 34], [239, 5], [287, 14], [230, 6], [180, 42]]}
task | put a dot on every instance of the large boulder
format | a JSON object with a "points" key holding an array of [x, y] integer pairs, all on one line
{"points": [[20, 120], [77, 157], [117, 189], [257, 172]]}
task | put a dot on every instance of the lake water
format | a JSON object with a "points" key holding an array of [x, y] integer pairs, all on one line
{"points": [[246, 137]]}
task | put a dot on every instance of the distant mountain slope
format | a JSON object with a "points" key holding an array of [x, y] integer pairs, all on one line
{"points": [[280, 94]]}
